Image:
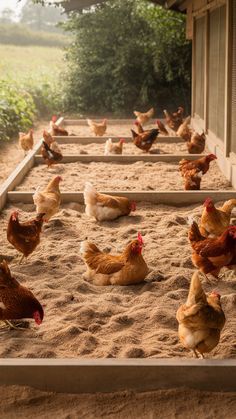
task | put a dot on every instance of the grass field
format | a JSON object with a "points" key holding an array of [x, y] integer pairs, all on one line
{"points": [[24, 63]]}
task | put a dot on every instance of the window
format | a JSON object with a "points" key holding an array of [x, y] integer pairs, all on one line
{"points": [[217, 39]]}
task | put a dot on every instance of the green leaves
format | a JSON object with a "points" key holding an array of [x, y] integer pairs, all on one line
{"points": [[127, 54]]}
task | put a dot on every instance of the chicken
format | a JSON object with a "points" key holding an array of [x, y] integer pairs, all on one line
{"points": [[140, 128], [48, 201], [196, 145], [175, 119], [47, 138], [162, 128], [26, 141], [144, 117], [24, 236], [49, 154], [104, 269], [145, 140], [105, 207], [193, 170], [211, 254], [98, 129], [112, 149], [201, 164], [56, 130], [17, 302], [200, 319], [192, 180], [184, 131], [214, 221]]}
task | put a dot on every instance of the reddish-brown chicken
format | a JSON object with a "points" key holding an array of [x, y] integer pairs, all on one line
{"points": [[49, 155], [196, 145], [162, 128], [214, 221], [24, 236], [128, 268], [145, 140], [16, 301], [175, 119], [202, 164], [211, 254], [47, 138], [201, 319], [57, 130], [184, 131]]}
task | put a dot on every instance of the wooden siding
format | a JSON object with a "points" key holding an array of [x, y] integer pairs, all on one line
{"points": [[233, 52], [217, 48], [199, 60]]}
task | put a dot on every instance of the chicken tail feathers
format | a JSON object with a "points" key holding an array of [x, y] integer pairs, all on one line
{"points": [[108, 146], [90, 194], [196, 293]]}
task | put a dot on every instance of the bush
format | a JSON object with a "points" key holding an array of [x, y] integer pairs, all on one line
{"points": [[17, 109], [20, 105], [127, 55]]}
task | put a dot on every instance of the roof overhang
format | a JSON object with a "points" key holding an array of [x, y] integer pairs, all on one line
{"points": [[178, 5]]}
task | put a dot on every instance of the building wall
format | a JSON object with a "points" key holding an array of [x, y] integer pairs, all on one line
{"points": [[212, 27]]}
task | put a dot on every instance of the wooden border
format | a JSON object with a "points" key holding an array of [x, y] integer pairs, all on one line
{"points": [[154, 158], [174, 198], [112, 375]]}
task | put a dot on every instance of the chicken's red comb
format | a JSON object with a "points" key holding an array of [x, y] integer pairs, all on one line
{"points": [[208, 201], [136, 123], [140, 239], [122, 140], [54, 118], [216, 293]]}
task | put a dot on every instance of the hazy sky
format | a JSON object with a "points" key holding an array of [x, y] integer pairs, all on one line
{"points": [[12, 4]]}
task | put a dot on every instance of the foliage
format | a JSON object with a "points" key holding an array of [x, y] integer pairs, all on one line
{"points": [[29, 79], [126, 55], [17, 34], [17, 109]]}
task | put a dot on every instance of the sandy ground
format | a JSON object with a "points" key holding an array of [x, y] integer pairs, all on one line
{"points": [[84, 320], [128, 148], [119, 176], [164, 404], [10, 153], [114, 130]]}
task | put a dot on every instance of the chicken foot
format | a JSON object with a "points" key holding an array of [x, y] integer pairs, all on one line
{"points": [[197, 356], [8, 325]]}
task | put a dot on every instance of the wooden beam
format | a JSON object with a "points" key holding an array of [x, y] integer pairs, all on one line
{"points": [[175, 198], [168, 158], [113, 375], [228, 77], [101, 140], [212, 5]]}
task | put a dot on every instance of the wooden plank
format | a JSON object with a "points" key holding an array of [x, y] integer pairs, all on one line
{"points": [[167, 158], [112, 375], [172, 198], [74, 139]]}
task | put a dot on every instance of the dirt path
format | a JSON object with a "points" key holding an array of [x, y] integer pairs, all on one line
{"points": [[10, 153]]}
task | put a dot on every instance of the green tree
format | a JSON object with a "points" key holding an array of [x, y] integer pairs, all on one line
{"points": [[127, 54]]}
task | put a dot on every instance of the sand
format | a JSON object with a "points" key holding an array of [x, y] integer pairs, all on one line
{"points": [[83, 320], [181, 403], [128, 148], [118, 176]]}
